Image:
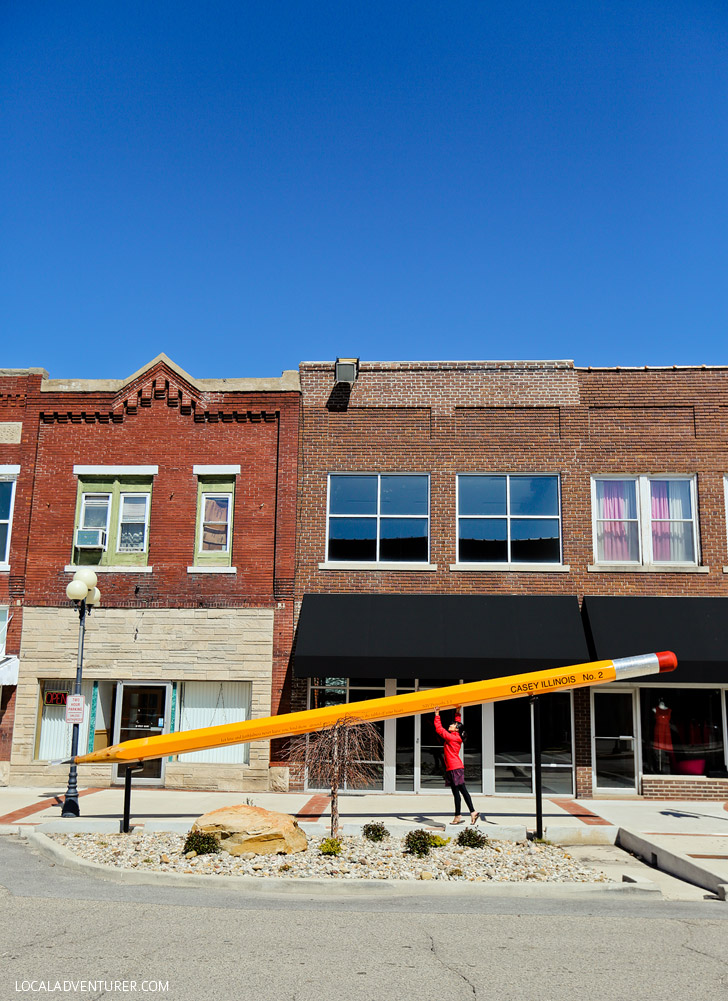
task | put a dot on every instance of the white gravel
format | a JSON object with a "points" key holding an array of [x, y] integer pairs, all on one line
{"points": [[499, 861]]}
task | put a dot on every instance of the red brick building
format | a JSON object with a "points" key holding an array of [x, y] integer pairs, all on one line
{"points": [[18, 438], [474, 519], [181, 493]]}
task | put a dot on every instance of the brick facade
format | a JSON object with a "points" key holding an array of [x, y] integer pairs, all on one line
{"points": [[164, 418], [531, 417]]}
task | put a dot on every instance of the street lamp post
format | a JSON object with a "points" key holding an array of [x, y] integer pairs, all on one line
{"points": [[84, 594]]}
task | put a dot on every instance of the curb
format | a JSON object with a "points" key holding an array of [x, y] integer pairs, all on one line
{"points": [[672, 863], [59, 855]]}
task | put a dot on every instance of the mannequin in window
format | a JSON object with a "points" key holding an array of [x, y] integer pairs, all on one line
{"points": [[662, 737]]}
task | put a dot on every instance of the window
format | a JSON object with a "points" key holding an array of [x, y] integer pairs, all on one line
{"points": [[215, 703], [8, 475], [112, 524], [682, 731], [644, 519], [509, 519], [338, 691], [379, 518], [215, 496]]}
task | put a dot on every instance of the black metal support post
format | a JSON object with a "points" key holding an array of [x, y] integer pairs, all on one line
{"points": [[536, 703], [70, 802], [126, 827]]}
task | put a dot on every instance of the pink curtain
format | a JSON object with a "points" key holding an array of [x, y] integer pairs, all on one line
{"points": [[661, 549], [614, 509]]}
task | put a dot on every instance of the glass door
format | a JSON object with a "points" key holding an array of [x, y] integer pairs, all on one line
{"points": [[141, 711], [614, 741], [419, 756]]}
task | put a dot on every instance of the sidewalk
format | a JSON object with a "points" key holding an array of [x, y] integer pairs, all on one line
{"points": [[667, 834]]}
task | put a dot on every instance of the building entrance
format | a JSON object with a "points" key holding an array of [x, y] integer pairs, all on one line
{"points": [[141, 711]]}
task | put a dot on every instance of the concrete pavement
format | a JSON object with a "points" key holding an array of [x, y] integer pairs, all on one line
{"points": [[688, 839]]}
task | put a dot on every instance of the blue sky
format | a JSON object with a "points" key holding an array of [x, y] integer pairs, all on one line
{"points": [[247, 185]]}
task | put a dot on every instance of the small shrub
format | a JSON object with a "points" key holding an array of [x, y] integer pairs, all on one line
{"points": [[203, 844], [437, 842], [470, 837], [375, 832], [457, 871], [284, 868], [417, 843], [330, 846]]}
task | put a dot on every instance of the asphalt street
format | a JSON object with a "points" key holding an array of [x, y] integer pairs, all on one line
{"points": [[219, 943]]}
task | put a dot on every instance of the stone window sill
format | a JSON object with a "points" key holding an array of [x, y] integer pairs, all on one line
{"points": [[212, 569], [512, 567], [409, 567], [71, 568], [646, 568], [4, 568]]}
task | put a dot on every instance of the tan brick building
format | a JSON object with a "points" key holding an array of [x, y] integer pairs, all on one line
{"points": [[470, 519]]}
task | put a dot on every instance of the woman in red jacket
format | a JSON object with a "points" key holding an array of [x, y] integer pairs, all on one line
{"points": [[453, 739]]}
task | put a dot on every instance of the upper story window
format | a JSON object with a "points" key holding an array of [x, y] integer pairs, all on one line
{"points": [[644, 519], [112, 520], [215, 497], [8, 475], [509, 518], [379, 517]]}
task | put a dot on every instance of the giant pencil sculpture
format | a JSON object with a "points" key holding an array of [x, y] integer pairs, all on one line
{"points": [[474, 693]]}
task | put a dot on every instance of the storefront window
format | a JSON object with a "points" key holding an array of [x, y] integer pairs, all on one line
{"points": [[340, 691], [514, 748], [682, 731]]}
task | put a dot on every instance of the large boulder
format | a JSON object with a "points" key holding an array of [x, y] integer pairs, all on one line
{"points": [[251, 829]]}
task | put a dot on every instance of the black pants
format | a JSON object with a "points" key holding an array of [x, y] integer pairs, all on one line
{"points": [[456, 791]]}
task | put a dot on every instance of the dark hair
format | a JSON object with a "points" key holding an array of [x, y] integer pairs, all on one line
{"points": [[461, 731]]}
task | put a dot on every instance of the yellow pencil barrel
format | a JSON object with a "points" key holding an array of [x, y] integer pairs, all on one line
{"points": [[411, 703]]}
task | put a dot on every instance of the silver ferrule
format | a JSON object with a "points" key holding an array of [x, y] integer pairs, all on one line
{"points": [[635, 667]]}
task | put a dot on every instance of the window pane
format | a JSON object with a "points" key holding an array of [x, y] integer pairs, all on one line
{"points": [[535, 540], [403, 540], [4, 555], [616, 499], [682, 731], [95, 514], [216, 509], [131, 537], [556, 781], [483, 540], [403, 495], [6, 492], [214, 538], [133, 507], [672, 541], [556, 729], [512, 731], [670, 499], [353, 539], [618, 541], [353, 495], [534, 495], [482, 495]]}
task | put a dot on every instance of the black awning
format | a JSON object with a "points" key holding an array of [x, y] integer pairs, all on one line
{"points": [[695, 629], [436, 636]]}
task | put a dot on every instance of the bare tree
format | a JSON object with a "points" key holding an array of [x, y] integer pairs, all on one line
{"points": [[343, 755]]}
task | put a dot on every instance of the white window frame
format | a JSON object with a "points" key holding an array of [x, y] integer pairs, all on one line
{"points": [[147, 505], [4, 623], [9, 474], [95, 494], [211, 495], [379, 517], [644, 519], [509, 564]]}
